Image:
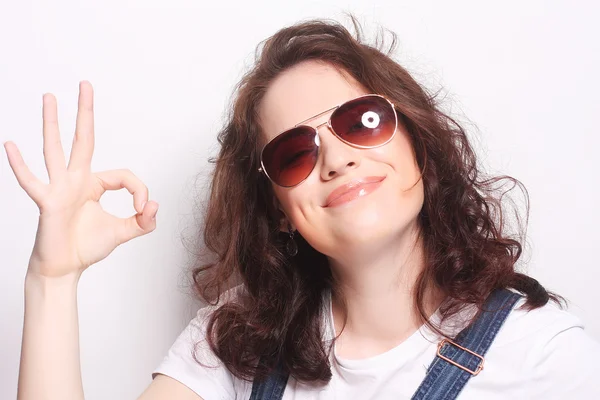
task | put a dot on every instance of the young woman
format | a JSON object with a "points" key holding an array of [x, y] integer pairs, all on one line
{"points": [[367, 254]]}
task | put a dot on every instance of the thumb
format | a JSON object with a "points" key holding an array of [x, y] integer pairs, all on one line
{"points": [[138, 224]]}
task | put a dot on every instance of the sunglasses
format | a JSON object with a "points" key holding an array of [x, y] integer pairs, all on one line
{"points": [[365, 122]]}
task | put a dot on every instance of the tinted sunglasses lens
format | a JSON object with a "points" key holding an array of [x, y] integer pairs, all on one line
{"points": [[290, 157], [367, 121]]}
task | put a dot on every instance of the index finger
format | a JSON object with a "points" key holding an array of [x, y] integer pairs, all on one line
{"points": [[124, 178], [83, 141]]}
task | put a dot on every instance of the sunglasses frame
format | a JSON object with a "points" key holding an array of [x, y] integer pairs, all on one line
{"points": [[328, 123]]}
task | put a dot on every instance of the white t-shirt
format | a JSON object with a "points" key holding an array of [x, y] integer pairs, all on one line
{"points": [[541, 354]]}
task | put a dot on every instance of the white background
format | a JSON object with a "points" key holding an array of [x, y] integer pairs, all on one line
{"points": [[523, 76]]}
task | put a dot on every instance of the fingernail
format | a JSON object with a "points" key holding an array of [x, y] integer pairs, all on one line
{"points": [[155, 212]]}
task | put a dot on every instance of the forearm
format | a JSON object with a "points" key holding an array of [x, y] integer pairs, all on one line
{"points": [[50, 365]]}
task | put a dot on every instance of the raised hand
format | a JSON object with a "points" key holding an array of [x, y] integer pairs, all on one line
{"points": [[74, 231]]}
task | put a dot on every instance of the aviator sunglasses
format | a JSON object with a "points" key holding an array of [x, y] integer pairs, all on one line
{"points": [[364, 122]]}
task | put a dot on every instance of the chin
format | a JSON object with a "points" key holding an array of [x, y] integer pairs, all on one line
{"points": [[366, 227], [369, 224]]}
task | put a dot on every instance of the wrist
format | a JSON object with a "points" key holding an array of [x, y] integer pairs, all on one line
{"points": [[34, 279]]}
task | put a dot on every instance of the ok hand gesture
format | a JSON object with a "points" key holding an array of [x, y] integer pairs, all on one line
{"points": [[74, 231]]}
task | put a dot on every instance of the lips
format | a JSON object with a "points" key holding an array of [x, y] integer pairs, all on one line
{"points": [[353, 189]]}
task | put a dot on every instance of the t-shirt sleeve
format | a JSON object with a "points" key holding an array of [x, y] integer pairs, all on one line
{"points": [[211, 381], [564, 361]]}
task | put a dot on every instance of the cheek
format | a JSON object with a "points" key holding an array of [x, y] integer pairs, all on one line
{"points": [[410, 187], [402, 158], [294, 202]]}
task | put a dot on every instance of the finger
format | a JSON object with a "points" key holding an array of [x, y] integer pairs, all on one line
{"points": [[83, 141], [54, 155], [138, 224], [32, 186], [124, 178]]}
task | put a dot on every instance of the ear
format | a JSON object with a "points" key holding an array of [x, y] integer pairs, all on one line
{"points": [[284, 221]]}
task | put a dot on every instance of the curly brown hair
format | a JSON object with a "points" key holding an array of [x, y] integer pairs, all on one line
{"points": [[278, 315]]}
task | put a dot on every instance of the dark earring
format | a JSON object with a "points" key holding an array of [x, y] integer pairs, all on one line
{"points": [[291, 246]]}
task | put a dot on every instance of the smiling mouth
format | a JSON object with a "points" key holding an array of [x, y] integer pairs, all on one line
{"points": [[353, 190]]}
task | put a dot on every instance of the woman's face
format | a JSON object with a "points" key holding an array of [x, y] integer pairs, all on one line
{"points": [[365, 223]]}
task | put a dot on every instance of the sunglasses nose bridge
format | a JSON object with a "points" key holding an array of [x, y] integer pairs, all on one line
{"points": [[318, 133], [326, 123]]}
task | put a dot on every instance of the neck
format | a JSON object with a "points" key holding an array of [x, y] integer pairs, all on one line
{"points": [[379, 298]]}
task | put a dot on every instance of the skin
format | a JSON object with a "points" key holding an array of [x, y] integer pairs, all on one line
{"points": [[372, 243], [375, 270], [73, 233]]}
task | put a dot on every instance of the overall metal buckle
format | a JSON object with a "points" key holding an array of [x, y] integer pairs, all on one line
{"points": [[472, 372]]}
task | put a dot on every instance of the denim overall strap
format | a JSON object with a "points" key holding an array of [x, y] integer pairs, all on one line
{"points": [[272, 388], [444, 380]]}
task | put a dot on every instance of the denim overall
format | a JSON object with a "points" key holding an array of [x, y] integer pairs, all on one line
{"points": [[455, 362]]}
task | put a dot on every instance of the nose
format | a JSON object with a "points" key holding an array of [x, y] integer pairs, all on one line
{"points": [[337, 157]]}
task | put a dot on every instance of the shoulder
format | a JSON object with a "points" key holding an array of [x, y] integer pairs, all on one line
{"points": [[194, 335], [191, 361], [551, 347], [541, 323]]}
